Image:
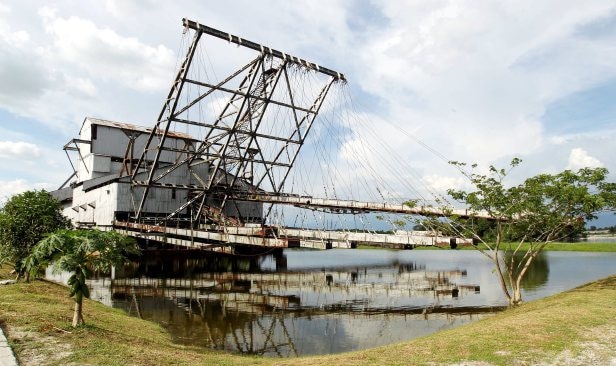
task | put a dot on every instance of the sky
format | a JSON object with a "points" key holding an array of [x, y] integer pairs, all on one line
{"points": [[478, 81]]}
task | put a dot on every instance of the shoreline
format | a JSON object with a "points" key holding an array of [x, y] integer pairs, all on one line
{"points": [[36, 318], [586, 246]]}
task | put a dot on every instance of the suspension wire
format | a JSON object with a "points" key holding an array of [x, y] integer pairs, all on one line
{"points": [[423, 144], [437, 196], [345, 163]]}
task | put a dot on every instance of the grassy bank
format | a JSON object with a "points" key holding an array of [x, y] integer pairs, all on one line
{"points": [[36, 318], [571, 247], [560, 327], [580, 247], [564, 247]]}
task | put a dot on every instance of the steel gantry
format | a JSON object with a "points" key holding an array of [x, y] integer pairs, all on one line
{"points": [[221, 149], [244, 148]]}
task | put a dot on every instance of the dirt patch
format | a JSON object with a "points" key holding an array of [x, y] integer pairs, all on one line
{"points": [[34, 348], [597, 348]]}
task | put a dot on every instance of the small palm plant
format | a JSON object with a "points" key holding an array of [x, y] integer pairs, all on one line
{"points": [[80, 252]]}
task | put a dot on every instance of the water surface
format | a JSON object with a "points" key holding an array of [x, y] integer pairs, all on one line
{"points": [[315, 302]]}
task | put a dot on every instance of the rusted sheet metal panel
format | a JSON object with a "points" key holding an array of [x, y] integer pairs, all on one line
{"points": [[259, 236], [313, 244], [180, 242], [105, 143], [208, 235], [359, 237], [345, 237], [416, 238]]}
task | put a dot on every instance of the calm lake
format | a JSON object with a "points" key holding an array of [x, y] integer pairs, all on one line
{"points": [[316, 302]]}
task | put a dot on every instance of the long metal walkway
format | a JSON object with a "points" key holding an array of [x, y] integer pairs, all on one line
{"points": [[350, 206], [220, 239], [337, 205]]}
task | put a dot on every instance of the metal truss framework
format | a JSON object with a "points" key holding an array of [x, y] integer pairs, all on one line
{"points": [[233, 146]]}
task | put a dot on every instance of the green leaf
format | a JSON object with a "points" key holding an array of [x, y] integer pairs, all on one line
{"points": [[79, 251]]}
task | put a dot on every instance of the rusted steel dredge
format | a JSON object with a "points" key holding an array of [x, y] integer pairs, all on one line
{"points": [[217, 164]]}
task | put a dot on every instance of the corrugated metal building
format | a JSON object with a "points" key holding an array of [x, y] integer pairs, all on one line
{"points": [[101, 191]]}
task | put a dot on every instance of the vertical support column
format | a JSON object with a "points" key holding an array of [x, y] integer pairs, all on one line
{"points": [[169, 107]]}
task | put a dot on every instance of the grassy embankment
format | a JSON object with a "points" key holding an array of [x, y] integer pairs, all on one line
{"points": [[579, 247], [564, 247], [36, 317]]}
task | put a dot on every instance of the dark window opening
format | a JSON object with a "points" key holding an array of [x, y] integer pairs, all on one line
{"points": [[94, 128], [173, 193]]}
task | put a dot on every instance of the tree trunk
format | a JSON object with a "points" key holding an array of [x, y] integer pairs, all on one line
{"points": [[516, 299], [78, 314], [496, 260], [501, 277], [517, 285]]}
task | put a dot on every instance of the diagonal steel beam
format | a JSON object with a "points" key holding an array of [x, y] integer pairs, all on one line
{"points": [[174, 94]]}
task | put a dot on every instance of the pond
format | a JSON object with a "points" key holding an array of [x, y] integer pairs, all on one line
{"points": [[599, 239], [317, 302]]}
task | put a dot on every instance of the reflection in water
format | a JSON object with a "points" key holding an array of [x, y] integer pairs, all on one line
{"points": [[315, 302], [256, 306], [537, 273]]}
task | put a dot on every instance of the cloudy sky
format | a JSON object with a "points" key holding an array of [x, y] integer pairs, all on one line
{"points": [[477, 81]]}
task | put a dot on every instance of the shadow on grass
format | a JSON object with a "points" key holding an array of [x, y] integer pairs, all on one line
{"points": [[608, 283]]}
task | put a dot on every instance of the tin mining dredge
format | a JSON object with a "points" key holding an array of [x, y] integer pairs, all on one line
{"points": [[209, 173]]}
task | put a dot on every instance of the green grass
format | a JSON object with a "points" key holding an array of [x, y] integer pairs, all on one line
{"points": [[110, 337], [533, 332], [565, 247], [571, 247]]}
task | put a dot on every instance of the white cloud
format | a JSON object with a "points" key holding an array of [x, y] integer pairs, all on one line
{"points": [[81, 86], [579, 158], [607, 134], [105, 54], [477, 77], [10, 188], [32, 84], [22, 73], [13, 187], [440, 184], [472, 81], [128, 8], [46, 64], [19, 150]]}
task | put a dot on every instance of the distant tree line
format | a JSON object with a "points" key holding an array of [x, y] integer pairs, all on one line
{"points": [[609, 229]]}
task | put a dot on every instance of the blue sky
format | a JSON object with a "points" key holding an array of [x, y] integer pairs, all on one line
{"points": [[479, 81]]}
